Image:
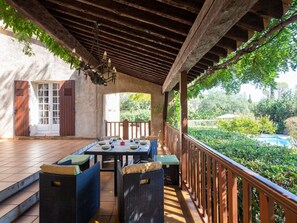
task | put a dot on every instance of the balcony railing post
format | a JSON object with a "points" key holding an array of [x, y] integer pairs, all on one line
{"points": [[183, 125], [125, 129]]}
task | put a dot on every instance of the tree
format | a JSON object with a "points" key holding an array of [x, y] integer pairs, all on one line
{"points": [[277, 109], [259, 61], [216, 103]]}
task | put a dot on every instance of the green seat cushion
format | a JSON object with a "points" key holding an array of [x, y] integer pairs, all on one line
{"points": [[167, 159], [76, 159]]}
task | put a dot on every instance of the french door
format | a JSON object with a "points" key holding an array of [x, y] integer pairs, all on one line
{"points": [[49, 108]]}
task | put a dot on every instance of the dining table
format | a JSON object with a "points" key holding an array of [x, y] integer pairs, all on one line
{"points": [[118, 149]]}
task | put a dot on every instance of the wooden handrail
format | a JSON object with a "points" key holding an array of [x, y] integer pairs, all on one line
{"points": [[211, 180], [127, 130]]}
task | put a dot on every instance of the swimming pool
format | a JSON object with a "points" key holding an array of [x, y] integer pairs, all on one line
{"points": [[275, 140]]}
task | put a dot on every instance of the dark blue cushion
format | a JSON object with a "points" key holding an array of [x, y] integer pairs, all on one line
{"points": [[67, 162]]}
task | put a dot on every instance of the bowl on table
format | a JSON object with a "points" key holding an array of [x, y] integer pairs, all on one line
{"points": [[105, 147], [143, 143], [101, 142], [134, 147]]}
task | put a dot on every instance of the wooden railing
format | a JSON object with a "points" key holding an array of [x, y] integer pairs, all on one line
{"points": [[225, 191], [128, 130]]}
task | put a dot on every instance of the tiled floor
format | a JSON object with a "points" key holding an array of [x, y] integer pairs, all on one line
{"points": [[173, 211], [23, 157]]}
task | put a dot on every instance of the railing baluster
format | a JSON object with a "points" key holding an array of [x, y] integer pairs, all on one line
{"points": [[290, 216], [266, 209], [247, 202], [195, 172], [232, 197], [215, 192], [192, 168], [223, 194], [199, 178], [203, 197], [209, 199], [209, 173]]}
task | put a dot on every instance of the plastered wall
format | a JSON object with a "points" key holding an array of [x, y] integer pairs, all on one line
{"points": [[89, 104]]}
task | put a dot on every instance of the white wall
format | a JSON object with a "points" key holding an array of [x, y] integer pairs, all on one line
{"points": [[89, 102]]}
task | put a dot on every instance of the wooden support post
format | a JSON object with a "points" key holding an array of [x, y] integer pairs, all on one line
{"points": [[183, 124], [165, 106], [126, 129]]}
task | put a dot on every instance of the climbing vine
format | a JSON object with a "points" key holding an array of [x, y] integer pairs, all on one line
{"points": [[25, 31], [259, 61]]}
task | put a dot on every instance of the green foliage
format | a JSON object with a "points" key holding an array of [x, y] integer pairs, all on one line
{"points": [[135, 107], [25, 30], [217, 103], [173, 110], [247, 125], [136, 115], [276, 163], [291, 126], [261, 67], [277, 109]]}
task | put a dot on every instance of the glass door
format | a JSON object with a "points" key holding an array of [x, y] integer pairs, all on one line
{"points": [[49, 108]]}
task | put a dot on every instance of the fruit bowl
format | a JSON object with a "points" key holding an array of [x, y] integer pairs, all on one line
{"points": [[106, 147], [133, 147]]}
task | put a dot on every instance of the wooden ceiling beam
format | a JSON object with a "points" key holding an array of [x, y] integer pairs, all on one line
{"points": [[227, 43], [117, 35], [117, 11], [197, 69], [191, 6], [38, 14], [212, 57], [118, 28], [132, 73], [160, 9], [128, 50], [151, 74], [238, 34], [218, 51], [215, 19], [102, 17], [206, 62], [270, 8], [202, 66], [132, 61], [121, 53], [147, 18], [126, 44], [252, 22]]}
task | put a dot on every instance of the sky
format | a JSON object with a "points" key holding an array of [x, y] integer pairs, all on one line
{"points": [[256, 94]]}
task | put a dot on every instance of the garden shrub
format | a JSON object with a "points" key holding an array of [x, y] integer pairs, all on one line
{"points": [[248, 125], [276, 163], [291, 126]]}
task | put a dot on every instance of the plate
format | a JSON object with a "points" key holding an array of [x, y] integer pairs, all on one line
{"points": [[101, 142], [106, 147], [133, 147]]}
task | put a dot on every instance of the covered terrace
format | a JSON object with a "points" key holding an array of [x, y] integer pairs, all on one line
{"points": [[170, 43]]}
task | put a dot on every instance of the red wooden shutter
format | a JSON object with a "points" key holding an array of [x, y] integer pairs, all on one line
{"points": [[21, 108], [67, 108]]}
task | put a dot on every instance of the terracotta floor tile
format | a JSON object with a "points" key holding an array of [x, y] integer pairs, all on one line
{"points": [[4, 185], [4, 175], [5, 208], [26, 219], [17, 177]]}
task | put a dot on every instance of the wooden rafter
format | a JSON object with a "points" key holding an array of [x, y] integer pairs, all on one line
{"points": [[211, 22]]}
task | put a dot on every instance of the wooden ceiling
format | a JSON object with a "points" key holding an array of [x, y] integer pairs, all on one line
{"points": [[144, 37]]}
